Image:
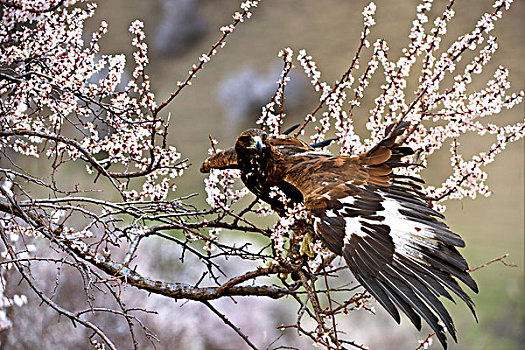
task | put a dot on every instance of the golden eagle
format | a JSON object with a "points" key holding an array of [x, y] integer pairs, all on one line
{"points": [[394, 243]]}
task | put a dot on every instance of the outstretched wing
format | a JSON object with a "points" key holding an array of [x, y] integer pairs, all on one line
{"points": [[394, 243]]}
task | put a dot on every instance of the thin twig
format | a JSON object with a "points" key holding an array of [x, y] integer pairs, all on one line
{"points": [[500, 259], [230, 324], [423, 342]]}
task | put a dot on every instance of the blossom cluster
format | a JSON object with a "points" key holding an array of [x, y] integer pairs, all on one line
{"points": [[334, 98], [284, 226], [226, 30], [219, 188], [368, 15], [64, 101], [58, 79], [272, 118], [426, 343], [19, 237], [213, 235]]}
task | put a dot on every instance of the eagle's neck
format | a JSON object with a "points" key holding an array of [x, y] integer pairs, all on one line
{"points": [[253, 172], [262, 172]]}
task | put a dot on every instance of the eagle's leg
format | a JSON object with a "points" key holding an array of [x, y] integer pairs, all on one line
{"points": [[306, 245], [301, 240], [303, 229]]}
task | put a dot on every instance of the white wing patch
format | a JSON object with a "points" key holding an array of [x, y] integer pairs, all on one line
{"points": [[353, 227], [330, 213], [406, 233], [347, 200]]}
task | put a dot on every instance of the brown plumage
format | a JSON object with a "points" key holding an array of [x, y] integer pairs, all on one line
{"points": [[396, 246]]}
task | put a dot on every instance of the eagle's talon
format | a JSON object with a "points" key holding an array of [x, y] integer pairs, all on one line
{"points": [[283, 275], [306, 248]]}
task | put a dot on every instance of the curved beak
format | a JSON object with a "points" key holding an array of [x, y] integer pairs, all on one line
{"points": [[257, 144]]}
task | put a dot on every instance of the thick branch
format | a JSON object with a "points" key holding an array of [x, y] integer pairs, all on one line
{"points": [[172, 290]]}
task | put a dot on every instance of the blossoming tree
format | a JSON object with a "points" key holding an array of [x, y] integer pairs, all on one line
{"points": [[64, 104]]}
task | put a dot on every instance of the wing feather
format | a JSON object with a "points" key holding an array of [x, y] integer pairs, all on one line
{"points": [[402, 304], [382, 297], [409, 297], [426, 295]]}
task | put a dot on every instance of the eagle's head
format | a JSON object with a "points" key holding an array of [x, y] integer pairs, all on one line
{"points": [[251, 146]]}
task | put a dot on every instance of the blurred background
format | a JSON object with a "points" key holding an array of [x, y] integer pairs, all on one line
{"points": [[226, 98]]}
